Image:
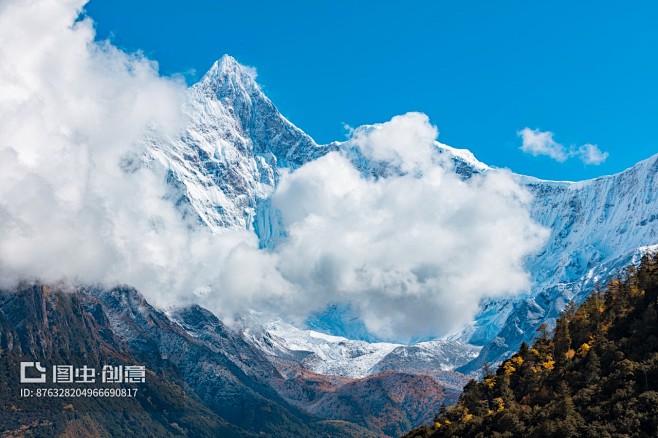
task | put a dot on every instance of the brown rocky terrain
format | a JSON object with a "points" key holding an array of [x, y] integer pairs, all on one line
{"points": [[203, 379]]}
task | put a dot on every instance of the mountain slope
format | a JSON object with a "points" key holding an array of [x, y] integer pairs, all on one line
{"points": [[56, 328], [203, 379], [597, 375], [223, 385], [376, 400], [327, 397], [597, 228], [191, 388]]}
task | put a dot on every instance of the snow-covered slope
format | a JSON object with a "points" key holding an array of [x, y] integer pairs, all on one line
{"points": [[336, 355], [227, 162], [319, 352], [597, 228]]}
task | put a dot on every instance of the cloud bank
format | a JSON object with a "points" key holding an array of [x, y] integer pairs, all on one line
{"points": [[536, 142], [76, 204], [70, 111], [413, 252]]}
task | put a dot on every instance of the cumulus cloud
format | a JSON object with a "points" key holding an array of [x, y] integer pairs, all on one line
{"points": [[406, 142], [591, 154], [70, 111], [536, 142], [413, 252], [77, 202]]}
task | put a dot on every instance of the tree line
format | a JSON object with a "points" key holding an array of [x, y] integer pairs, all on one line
{"points": [[594, 375]]}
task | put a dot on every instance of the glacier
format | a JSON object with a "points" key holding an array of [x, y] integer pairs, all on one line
{"points": [[236, 145]]}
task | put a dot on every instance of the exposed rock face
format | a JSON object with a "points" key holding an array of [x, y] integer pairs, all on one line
{"points": [[41, 324]]}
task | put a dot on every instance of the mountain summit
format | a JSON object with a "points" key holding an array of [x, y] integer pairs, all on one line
{"points": [[233, 86], [227, 68], [227, 160]]}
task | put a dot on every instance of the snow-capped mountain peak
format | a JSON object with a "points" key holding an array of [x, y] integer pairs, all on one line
{"points": [[337, 355], [226, 164], [228, 159], [228, 74], [234, 86]]}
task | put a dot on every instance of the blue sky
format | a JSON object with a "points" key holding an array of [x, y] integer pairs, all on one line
{"points": [[586, 71]]}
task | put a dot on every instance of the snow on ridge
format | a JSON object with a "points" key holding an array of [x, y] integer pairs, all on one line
{"points": [[644, 164], [464, 155], [337, 355], [324, 354]]}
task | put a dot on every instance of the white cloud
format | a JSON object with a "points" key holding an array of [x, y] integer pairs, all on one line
{"points": [[251, 71], [413, 253], [536, 142], [407, 142], [591, 154]]}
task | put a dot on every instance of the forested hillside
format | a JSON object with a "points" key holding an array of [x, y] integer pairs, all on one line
{"points": [[595, 375]]}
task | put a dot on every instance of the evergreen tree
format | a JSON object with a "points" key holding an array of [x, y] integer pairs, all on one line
{"points": [[595, 375]]}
